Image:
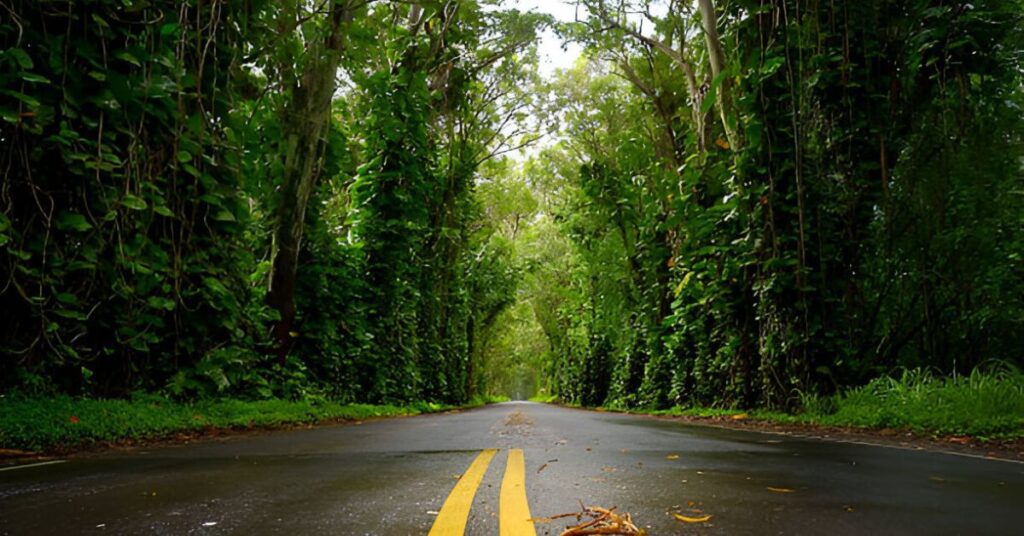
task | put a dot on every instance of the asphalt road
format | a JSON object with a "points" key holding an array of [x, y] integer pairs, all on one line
{"points": [[393, 476]]}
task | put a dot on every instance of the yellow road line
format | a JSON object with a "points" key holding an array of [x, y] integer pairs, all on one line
{"points": [[514, 510], [451, 521]]}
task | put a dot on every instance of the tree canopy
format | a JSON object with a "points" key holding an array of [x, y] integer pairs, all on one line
{"points": [[728, 203]]}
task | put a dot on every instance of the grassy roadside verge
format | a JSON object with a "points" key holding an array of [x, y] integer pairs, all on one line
{"points": [[983, 405], [65, 423]]}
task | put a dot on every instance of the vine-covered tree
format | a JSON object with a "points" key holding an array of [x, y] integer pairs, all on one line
{"points": [[732, 203]]}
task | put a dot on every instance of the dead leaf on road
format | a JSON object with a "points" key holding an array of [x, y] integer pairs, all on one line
{"points": [[688, 519], [780, 490]]}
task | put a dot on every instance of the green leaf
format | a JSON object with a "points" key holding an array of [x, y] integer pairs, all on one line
{"points": [[128, 57], [184, 156], [216, 286], [32, 77], [708, 102], [80, 265], [69, 299], [754, 130], [72, 314], [20, 56], [163, 211], [168, 29], [100, 20], [712, 94], [32, 102], [71, 221], [771, 65], [133, 202], [161, 303], [218, 377], [212, 199], [9, 115], [224, 215], [138, 343], [682, 284]]}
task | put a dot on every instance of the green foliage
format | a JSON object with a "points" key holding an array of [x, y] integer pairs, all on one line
{"points": [[837, 197], [987, 404], [861, 220], [482, 400], [142, 198], [122, 253], [65, 422], [390, 219], [434, 280], [984, 404]]}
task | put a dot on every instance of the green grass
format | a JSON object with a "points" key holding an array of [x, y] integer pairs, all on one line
{"points": [[56, 423], [698, 412], [982, 404], [546, 399], [987, 404], [483, 400]]}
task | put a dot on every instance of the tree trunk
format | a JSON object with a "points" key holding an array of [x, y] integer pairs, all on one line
{"points": [[304, 124], [716, 55]]}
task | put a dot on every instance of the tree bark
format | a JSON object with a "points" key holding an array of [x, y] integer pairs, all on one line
{"points": [[304, 124], [716, 55]]}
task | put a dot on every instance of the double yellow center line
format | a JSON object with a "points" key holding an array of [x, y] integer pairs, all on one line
{"points": [[513, 508]]}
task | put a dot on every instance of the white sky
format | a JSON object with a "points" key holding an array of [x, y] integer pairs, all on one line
{"points": [[550, 48], [552, 56]]}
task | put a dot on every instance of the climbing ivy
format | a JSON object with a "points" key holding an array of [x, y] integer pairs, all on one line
{"points": [[122, 219], [844, 212]]}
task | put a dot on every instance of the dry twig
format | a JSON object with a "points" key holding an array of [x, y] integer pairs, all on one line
{"points": [[597, 520]]}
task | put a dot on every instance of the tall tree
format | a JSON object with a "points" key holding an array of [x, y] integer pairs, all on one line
{"points": [[304, 122]]}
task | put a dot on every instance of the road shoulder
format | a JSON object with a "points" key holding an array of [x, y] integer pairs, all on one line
{"points": [[996, 449]]}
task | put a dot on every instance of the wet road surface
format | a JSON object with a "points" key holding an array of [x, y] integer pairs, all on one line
{"points": [[392, 477]]}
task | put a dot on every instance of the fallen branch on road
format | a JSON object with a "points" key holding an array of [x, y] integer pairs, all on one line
{"points": [[598, 521]]}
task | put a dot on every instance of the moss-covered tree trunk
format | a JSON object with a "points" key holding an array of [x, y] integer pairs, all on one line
{"points": [[303, 127]]}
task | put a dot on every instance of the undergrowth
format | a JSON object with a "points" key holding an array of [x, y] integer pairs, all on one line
{"points": [[65, 422], [987, 404]]}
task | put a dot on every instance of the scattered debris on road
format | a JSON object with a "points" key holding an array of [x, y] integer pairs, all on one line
{"points": [[518, 418], [596, 520], [544, 465]]}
